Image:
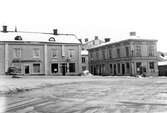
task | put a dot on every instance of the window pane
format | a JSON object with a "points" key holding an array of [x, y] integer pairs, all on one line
{"points": [[151, 65], [17, 52], [36, 52], [83, 59]]}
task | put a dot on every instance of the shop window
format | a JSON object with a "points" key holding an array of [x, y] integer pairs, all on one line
{"points": [[72, 67]]}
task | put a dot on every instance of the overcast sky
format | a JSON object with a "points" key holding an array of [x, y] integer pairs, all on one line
{"points": [[86, 18]]}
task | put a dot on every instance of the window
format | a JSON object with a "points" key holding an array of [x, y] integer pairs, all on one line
{"points": [[18, 38], [36, 52], [110, 53], [71, 53], [138, 50], [118, 68], [150, 50], [54, 53], [72, 67], [83, 59], [36, 68], [54, 68], [103, 54], [52, 39], [17, 52], [127, 51], [118, 53], [110, 68], [151, 65]]}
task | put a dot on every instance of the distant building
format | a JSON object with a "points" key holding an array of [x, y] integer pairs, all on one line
{"points": [[84, 60], [89, 44], [40, 53], [84, 53], [127, 57]]}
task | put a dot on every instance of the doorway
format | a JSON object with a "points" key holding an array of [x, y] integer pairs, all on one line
{"points": [[64, 68], [54, 68], [114, 69], [27, 71], [123, 69]]}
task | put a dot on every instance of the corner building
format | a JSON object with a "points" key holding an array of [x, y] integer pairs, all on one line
{"points": [[40, 53], [128, 57]]}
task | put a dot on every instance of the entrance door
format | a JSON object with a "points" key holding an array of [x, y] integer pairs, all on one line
{"points": [[64, 68], [27, 69], [123, 69]]}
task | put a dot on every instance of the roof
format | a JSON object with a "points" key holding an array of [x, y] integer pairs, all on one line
{"points": [[119, 40], [92, 41], [84, 52], [39, 37]]}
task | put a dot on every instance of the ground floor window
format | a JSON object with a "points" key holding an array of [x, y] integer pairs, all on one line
{"points": [[138, 66], [36, 68], [151, 65], [54, 68], [71, 67], [83, 68]]}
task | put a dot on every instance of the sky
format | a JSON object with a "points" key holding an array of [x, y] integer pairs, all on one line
{"points": [[88, 18]]}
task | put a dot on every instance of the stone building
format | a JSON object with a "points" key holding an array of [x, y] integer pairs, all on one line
{"points": [[39, 53], [126, 57]]}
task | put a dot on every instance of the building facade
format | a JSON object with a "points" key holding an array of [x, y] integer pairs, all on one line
{"points": [[126, 57], [40, 53]]}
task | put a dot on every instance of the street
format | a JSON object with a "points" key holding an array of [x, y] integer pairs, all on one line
{"points": [[93, 95]]}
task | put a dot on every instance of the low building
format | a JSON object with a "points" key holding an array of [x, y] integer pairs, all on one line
{"points": [[128, 57], [84, 60], [40, 53]]}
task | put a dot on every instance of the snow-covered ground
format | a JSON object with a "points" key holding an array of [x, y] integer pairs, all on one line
{"points": [[86, 95]]}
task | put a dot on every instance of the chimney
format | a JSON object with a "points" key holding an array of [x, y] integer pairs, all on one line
{"points": [[80, 40], [107, 39], [132, 33], [55, 31], [4, 28], [96, 37], [86, 39]]}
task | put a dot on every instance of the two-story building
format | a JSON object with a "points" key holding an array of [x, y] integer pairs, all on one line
{"points": [[39, 53], [127, 57]]}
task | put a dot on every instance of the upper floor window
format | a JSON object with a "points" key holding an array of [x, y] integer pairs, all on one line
{"points": [[110, 52], [118, 53], [138, 50], [18, 38], [17, 52], [52, 39], [54, 53], [103, 54], [150, 50], [36, 52], [127, 51], [71, 53], [83, 59]]}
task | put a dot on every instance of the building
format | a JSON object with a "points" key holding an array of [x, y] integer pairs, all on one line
{"points": [[40, 53], [84, 60], [127, 57], [84, 53], [89, 44]]}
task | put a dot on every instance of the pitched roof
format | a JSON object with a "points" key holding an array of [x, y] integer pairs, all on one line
{"points": [[39, 37], [118, 40]]}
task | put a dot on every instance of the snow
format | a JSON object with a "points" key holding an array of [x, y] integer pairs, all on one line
{"points": [[39, 37], [162, 63], [84, 52]]}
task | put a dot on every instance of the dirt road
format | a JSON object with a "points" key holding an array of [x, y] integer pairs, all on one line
{"points": [[108, 95]]}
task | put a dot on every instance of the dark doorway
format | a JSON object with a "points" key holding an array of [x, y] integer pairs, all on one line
{"points": [[114, 69], [64, 68], [123, 69], [27, 70], [54, 68]]}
